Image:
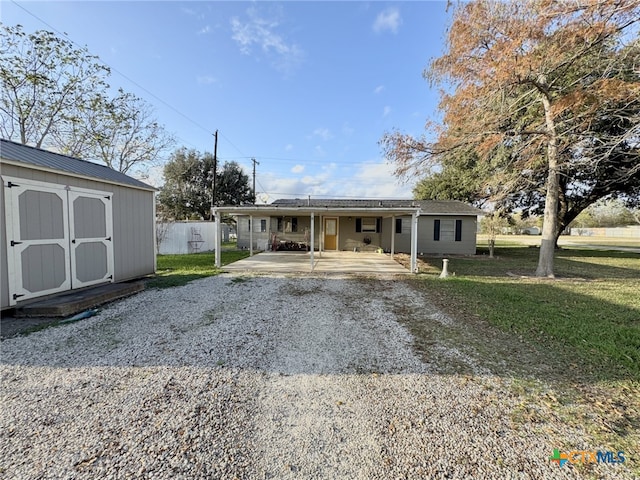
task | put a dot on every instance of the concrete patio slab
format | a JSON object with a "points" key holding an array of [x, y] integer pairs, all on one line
{"points": [[327, 262]]}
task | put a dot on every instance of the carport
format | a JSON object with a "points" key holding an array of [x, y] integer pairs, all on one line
{"points": [[328, 262], [317, 246]]}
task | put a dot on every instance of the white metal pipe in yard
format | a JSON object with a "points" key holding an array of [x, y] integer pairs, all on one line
{"points": [[445, 268]]}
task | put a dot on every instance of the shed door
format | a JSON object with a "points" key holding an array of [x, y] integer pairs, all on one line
{"points": [[58, 237], [37, 239], [90, 226]]}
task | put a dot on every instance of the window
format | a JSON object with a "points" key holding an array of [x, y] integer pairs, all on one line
{"points": [[447, 230], [263, 225], [368, 225], [458, 230], [403, 225], [287, 224]]}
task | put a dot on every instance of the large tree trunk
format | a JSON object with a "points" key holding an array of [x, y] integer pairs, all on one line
{"points": [[551, 204]]}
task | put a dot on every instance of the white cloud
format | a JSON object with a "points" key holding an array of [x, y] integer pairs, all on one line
{"points": [[206, 79], [388, 20], [203, 31], [386, 111], [288, 147], [375, 180], [323, 133], [297, 169], [261, 31], [378, 90], [370, 179]]}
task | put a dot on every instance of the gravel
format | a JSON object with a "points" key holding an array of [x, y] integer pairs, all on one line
{"points": [[266, 377]]}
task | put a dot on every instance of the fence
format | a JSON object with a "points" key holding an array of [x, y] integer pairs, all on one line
{"points": [[630, 231], [188, 237]]}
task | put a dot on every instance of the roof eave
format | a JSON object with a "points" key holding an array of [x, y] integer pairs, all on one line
{"points": [[41, 168]]}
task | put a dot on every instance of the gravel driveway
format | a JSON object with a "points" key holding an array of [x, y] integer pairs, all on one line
{"points": [[263, 377]]}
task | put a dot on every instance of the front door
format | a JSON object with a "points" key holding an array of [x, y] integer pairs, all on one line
{"points": [[330, 233]]}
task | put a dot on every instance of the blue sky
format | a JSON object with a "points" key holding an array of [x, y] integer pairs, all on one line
{"points": [[306, 88]]}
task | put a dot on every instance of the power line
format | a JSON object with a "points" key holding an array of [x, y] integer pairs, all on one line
{"points": [[129, 79]]}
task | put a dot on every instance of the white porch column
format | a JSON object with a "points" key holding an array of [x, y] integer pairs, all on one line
{"points": [[321, 237], [218, 239], [414, 242], [251, 235], [393, 235], [312, 235]]}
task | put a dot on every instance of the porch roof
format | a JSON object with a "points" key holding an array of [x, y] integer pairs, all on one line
{"points": [[390, 207], [279, 211]]}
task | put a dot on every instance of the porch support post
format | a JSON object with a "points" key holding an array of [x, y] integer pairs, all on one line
{"points": [[321, 237], [414, 242], [218, 239], [312, 235], [251, 235], [393, 235]]}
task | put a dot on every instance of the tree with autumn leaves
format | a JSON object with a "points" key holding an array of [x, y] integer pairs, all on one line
{"points": [[541, 111]]}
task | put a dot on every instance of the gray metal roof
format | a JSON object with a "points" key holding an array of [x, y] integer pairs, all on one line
{"points": [[16, 152], [453, 207]]}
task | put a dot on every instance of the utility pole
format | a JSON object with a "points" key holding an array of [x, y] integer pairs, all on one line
{"points": [[254, 179], [215, 172]]}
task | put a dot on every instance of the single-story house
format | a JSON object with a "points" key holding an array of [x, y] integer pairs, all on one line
{"points": [[67, 223], [433, 227]]}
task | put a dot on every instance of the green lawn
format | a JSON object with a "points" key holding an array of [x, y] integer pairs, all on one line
{"points": [[178, 270], [592, 309]]}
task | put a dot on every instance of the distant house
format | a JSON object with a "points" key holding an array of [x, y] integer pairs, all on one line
{"points": [[408, 226], [66, 223]]}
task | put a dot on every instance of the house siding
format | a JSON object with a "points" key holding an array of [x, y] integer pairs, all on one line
{"points": [[447, 245], [349, 239], [133, 224]]}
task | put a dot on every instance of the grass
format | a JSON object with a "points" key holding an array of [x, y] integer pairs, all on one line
{"points": [[592, 309], [178, 270], [577, 338]]}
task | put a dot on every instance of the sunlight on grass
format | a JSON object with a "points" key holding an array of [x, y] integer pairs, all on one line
{"points": [[593, 308], [178, 270]]}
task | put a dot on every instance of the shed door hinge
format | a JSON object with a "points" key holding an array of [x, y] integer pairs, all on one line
{"points": [[16, 296], [11, 184], [14, 243]]}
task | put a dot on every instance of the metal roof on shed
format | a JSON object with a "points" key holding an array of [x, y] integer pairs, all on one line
{"points": [[16, 152]]}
